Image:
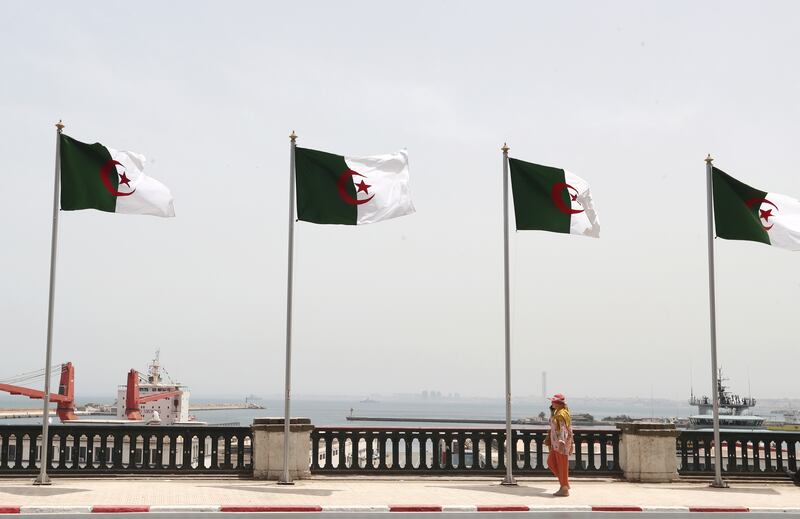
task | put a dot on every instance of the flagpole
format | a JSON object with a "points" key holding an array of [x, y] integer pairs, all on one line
{"points": [[286, 478], [43, 478], [718, 483], [509, 479]]}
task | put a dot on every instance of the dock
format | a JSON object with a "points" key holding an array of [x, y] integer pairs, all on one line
{"points": [[12, 413], [8, 414]]}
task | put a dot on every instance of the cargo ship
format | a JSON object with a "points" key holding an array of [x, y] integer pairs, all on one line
{"points": [[144, 400], [150, 400]]}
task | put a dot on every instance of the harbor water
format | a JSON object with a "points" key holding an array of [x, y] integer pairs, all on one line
{"points": [[334, 411]]}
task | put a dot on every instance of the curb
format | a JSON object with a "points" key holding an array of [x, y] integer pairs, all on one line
{"points": [[111, 509], [363, 508], [184, 508], [415, 508], [47, 509], [272, 508], [560, 508], [506, 508], [616, 508]]}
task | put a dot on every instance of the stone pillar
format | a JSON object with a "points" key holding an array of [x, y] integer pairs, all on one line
{"points": [[648, 452], [268, 448]]}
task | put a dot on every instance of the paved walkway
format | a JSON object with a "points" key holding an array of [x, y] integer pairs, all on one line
{"points": [[356, 491]]}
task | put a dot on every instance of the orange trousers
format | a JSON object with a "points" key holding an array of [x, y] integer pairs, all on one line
{"points": [[559, 465]]}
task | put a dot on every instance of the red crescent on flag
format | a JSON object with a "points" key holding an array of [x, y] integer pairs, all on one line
{"points": [[555, 193], [340, 185], [753, 201], [105, 176]]}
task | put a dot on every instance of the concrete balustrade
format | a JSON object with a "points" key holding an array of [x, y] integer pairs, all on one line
{"points": [[638, 451]]}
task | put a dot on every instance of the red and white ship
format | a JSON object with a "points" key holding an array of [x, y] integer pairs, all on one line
{"points": [[143, 400], [152, 400]]}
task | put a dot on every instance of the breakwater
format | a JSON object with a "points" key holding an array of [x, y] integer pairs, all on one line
{"points": [[223, 407]]}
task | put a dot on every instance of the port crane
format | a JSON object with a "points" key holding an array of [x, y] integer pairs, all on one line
{"points": [[65, 398], [133, 399]]}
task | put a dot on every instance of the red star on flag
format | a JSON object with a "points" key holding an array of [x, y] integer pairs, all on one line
{"points": [[123, 179], [765, 214], [363, 186]]}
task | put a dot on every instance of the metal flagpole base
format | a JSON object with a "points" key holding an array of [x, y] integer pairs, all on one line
{"points": [[720, 484], [282, 482], [42, 480], [509, 482]]}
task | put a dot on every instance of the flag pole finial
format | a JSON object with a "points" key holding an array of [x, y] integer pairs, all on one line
{"points": [[59, 126], [709, 160], [505, 147], [293, 136]]}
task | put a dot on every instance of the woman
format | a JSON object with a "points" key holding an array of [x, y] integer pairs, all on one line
{"points": [[559, 441]]}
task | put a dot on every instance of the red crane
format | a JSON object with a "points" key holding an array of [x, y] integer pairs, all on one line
{"points": [[132, 398], [65, 397]]}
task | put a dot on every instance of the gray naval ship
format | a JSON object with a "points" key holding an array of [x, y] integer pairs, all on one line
{"points": [[732, 410]]}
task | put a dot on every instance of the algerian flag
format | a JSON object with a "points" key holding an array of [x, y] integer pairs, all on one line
{"points": [[96, 177], [551, 199], [351, 190], [745, 213]]}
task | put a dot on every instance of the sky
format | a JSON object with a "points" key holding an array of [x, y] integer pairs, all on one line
{"points": [[629, 95]]}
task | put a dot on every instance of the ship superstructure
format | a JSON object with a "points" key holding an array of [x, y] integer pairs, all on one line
{"points": [[153, 400], [145, 400], [732, 410]]}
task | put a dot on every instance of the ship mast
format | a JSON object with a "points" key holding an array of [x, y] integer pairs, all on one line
{"points": [[734, 403], [154, 370]]}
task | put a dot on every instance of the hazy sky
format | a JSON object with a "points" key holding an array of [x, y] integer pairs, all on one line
{"points": [[630, 96]]}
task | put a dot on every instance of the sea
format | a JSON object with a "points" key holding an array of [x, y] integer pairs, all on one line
{"points": [[334, 412]]}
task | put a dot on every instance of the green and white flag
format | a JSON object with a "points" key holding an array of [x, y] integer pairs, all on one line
{"points": [[742, 212], [551, 199], [96, 177], [332, 189]]}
